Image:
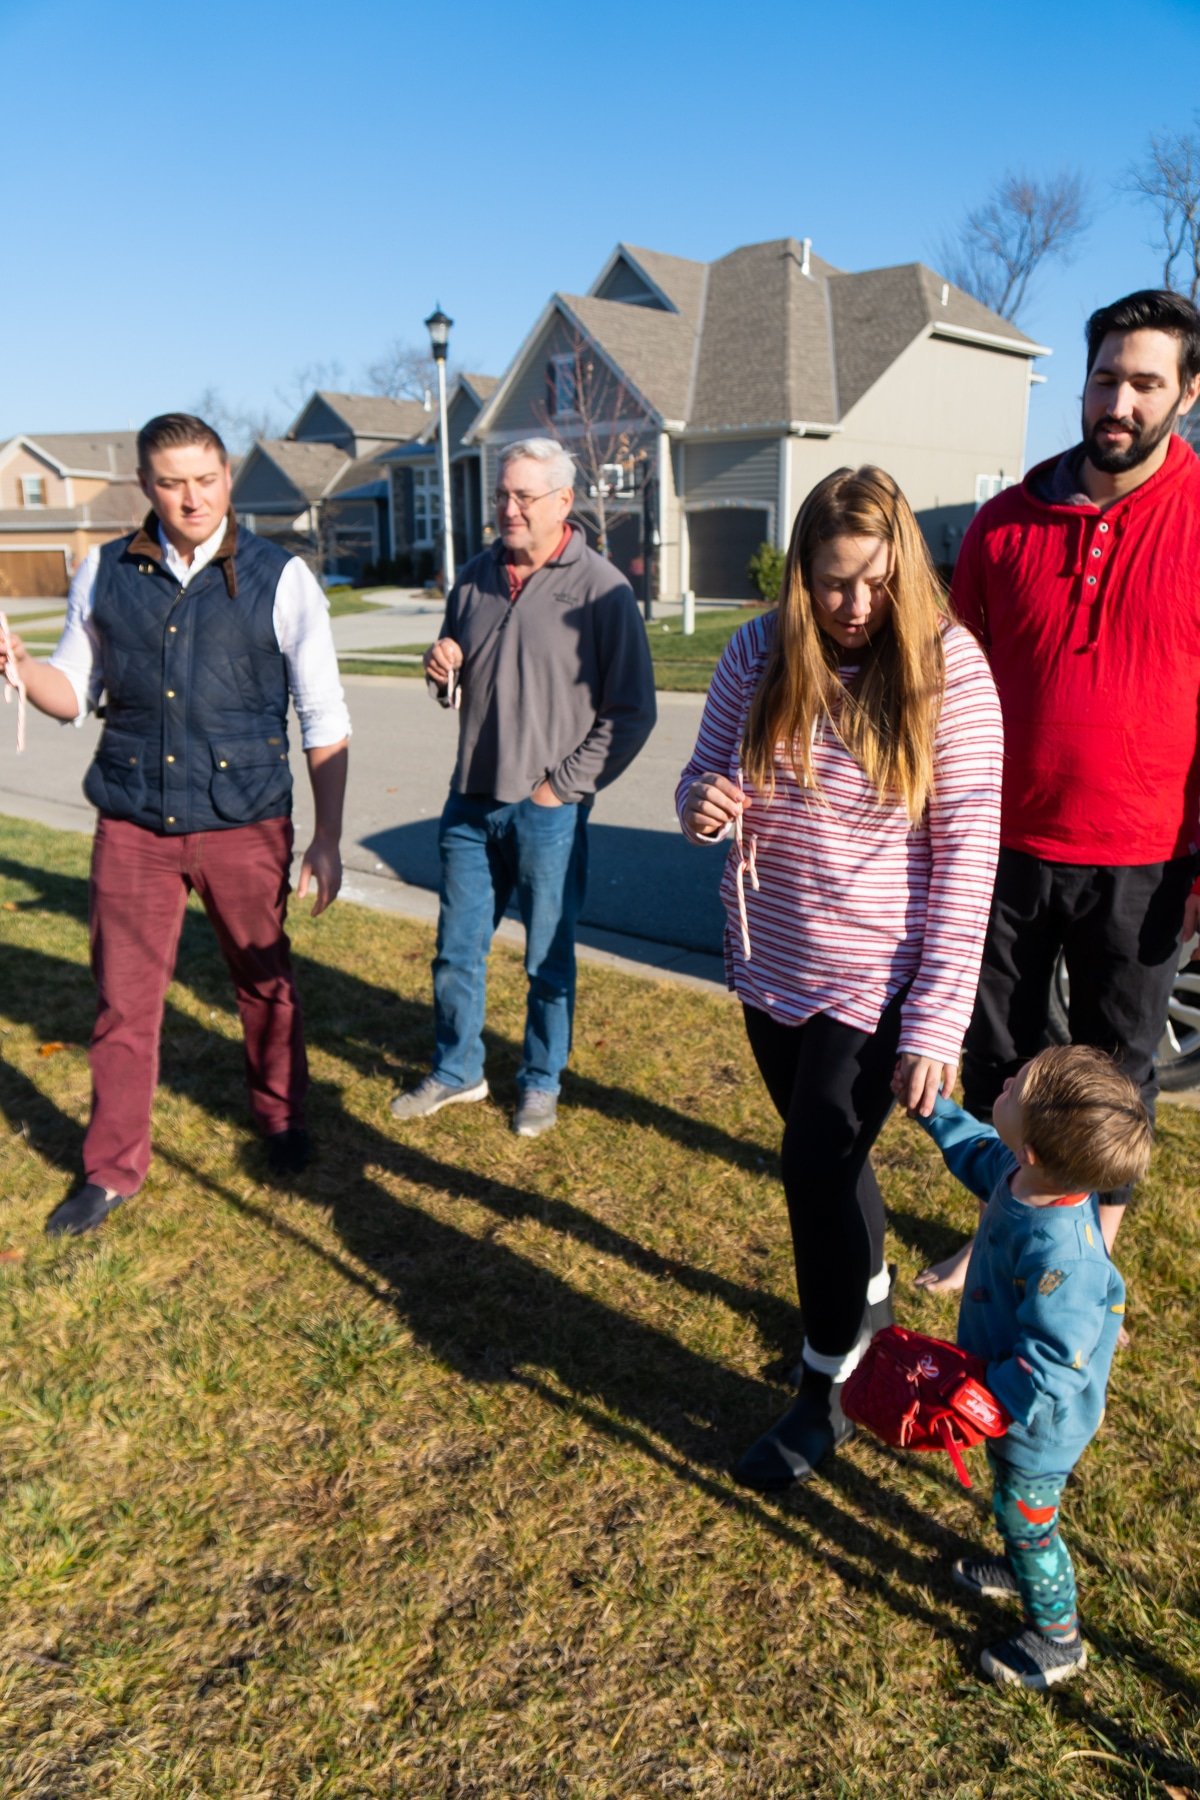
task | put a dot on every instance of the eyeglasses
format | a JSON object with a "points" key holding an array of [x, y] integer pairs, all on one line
{"points": [[522, 502]]}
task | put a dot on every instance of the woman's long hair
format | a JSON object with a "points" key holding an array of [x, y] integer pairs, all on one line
{"points": [[887, 715]]}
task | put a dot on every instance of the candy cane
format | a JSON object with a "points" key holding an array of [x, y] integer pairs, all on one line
{"points": [[13, 680]]}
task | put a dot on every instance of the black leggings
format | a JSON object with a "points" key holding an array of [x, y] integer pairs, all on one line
{"points": [[831, 1086]]}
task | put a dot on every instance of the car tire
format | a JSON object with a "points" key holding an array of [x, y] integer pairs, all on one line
{"points": [[1178, 1057]]}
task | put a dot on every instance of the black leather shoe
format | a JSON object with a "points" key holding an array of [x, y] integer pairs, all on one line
{"points": [[84, 1211], [289, 1152], [796, 1444]]}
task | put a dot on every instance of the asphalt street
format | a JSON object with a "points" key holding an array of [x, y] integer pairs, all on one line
{"points": [[652, 899]]}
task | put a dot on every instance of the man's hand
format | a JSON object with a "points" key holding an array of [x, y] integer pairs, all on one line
{"points": [[1191, 917], [712, 803], [544, 795], [918, 1080], [20, 655], [321, 867], [440, 658]]}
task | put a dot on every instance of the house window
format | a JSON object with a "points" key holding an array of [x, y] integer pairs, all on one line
{"points": [[33, 490], [427, 507], [988, 486], [562, 381]]}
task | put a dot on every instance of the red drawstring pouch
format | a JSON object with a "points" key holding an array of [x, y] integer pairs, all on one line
{"points": [[919, 1393]]}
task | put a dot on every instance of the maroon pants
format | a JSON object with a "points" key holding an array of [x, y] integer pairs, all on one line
{"points": [[139, 887]]}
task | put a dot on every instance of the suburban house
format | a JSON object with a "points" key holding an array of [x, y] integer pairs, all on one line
{"points": [[414, 482], [322, 490], [356, 480], [61, 493], [704, 400]]}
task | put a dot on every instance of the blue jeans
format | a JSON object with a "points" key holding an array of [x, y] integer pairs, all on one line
{"points": [[491, 850]]}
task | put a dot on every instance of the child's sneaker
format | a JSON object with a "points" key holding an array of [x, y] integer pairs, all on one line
{"points": [[989, 1576], [1033, 1661]]}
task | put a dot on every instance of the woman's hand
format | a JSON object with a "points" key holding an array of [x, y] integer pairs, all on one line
{"points": [[712, 803], [918, 1080]]}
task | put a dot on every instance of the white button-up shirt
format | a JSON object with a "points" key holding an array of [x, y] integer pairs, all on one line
{"points": [[302, 631]]}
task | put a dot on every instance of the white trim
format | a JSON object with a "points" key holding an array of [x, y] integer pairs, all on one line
{"points": [[765, 428], [763, 506], [479, 424], [623, 253], [990, 340], [480, 428], [16, 549], [785, 490]]}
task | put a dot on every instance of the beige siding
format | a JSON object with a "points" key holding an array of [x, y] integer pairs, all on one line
{"points": [[22, 462], [942, 415]]}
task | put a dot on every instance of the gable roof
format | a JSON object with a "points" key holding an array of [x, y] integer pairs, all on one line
{"points": [[767, 337], [311, 469], [108, 454], [377, 415]]}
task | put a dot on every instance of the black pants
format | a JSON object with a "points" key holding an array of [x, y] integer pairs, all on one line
{"points": [[831, 1086], [1119, 932]]}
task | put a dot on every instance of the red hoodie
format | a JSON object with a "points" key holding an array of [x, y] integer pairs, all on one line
{"points": [[1091, 624]]}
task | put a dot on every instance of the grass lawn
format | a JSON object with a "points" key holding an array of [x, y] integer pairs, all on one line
{"points": [[682, 665], [414, 1481], [349, 600]]}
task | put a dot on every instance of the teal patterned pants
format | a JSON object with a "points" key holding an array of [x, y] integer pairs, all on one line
{"points": [[1026, 1509]]}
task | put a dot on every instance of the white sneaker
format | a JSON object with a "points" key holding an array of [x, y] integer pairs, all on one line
{"points": [[430, 1097]]}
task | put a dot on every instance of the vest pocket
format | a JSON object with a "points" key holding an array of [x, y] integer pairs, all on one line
{"points": [[251, 779], [116, 781]]}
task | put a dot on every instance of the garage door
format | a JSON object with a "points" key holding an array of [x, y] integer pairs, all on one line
{"points": [[32, 573], [723, 539]]}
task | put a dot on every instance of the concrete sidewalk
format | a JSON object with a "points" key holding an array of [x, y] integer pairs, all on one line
{"points": [[652, 904]]}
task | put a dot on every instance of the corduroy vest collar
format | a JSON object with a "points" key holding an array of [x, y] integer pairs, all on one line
{"points": [[147, 543]]}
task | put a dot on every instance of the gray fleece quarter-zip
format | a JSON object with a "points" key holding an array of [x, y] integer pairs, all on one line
{"points": [[556, 685]]}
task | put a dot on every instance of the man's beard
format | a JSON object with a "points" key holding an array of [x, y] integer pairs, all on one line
{"points": [[1119, 462]]}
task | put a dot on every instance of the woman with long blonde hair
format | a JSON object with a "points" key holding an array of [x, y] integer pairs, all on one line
{"points": [[850, 750]]}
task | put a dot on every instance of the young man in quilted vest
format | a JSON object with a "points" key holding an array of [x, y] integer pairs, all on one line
{"points": [[198, 633], [1042, 1306]]}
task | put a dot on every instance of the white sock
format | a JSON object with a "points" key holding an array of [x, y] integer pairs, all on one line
{"points": [[836, 1367], [879, 1287]]}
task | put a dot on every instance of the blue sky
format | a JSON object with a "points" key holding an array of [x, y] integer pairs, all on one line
{"points": [[218, 196]]}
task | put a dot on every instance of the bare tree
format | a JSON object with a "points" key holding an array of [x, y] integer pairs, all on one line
{"points": [[1000, 245], [1168, 179], [594, 415], [238, 426], [403, 372]]}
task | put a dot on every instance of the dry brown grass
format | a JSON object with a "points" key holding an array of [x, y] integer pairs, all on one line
{"points": [[415, 1481]]}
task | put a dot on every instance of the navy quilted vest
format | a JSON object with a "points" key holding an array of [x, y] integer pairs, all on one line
{"points": [[196, 733]]}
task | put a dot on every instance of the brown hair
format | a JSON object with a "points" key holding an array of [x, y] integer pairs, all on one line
{"points": [[887, 716], [1084, 1120], [173, 431]]}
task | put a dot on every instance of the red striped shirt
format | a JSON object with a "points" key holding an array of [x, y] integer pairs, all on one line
{"points": [[855, 902]]}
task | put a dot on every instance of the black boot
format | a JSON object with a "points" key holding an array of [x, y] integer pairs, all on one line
{"points": [[810, 1430]]}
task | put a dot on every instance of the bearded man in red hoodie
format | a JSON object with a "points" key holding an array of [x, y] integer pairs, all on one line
{"points": [[1083, 586]]}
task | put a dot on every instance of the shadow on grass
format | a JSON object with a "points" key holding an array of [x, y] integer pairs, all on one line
{"points": [[491, 1315]]}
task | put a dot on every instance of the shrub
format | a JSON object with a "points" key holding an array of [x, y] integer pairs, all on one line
{"points": [[765, 570]]}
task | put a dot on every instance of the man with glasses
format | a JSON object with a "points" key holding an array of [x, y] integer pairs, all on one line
{"points": [[544, 656]]}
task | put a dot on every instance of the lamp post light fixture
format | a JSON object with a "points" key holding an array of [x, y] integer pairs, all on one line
{"points": [[438, 326]]}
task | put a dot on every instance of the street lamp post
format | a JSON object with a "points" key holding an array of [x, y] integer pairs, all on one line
{"points": [[438, 326]]}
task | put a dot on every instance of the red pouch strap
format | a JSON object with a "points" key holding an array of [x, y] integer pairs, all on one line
{"points": [[945, 1430]]}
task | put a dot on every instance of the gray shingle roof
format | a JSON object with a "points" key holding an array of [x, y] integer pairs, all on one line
{"points": [[121, 504], [761, 339], [311, 468], [375, 415], [89, 452]]}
